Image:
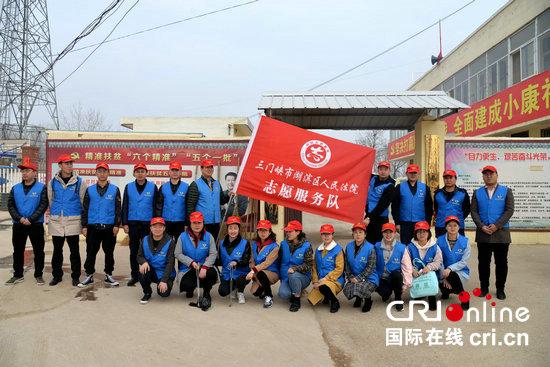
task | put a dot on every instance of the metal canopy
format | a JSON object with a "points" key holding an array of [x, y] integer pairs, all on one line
{"points": [[357, 111]]}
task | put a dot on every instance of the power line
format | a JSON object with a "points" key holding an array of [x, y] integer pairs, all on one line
{"points": [[99, 44], [168, 24], [389, 49]]}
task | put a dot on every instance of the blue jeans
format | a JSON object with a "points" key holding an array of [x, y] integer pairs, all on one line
{"points": [[294, 285]]}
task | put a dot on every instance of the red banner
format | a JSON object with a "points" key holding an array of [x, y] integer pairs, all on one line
{"points": [[306, 171], [402, 147], [525, 101]]}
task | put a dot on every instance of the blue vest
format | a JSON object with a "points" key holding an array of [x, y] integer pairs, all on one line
{"points": [[394, 262], [174, 204], [102, 208], [260, 257], [157, 260], [26, 204], [66, 201], [199, 253], [375, 193], [140, 206], [327, 264], [491, 209], [411, 207], [451, 207], [358, 262], [415, 254], [209, 201], [236, 256], [451, 257], [292, 259]]}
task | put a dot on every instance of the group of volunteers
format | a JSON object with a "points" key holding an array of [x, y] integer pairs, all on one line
{"points": [[173, 234]]}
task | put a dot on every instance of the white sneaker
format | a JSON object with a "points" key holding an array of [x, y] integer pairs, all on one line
{"points": [[240, 298], [88, 280], [110, 280], [268, 302]]}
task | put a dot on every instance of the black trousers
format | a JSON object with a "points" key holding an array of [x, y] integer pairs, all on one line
{"points": [[440, 231], [406, 233], [393, 283], [456, 284], [374, 229], [175, 229], [136, 232], [151, 277], [35, 232], [100, 236], [57, 257], [239, 284], [213, 229], [484, 252], [265, 285], [188, 282]]}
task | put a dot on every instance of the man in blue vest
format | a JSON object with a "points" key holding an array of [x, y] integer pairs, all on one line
{"points": [[411, 203], [171, 200], [450, 200], [138, 208], [205, 195], [100, 224], [27, 203], [65, 194], [378, 201], [156, 261], [492, 208]]}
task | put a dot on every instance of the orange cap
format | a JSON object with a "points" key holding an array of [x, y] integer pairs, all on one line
{"points": [[327, 228], [384, 164], [388, 227], [263, 224], [157, 220], [449, 172], [359, 225], [64, 158], [175, 165], [196, 217], [293, 225], [233, 220], [140, 165], [451, 218], [102, 165], [207, 163], [489, 168], [421, 225], [26, 163], [413, 168]]}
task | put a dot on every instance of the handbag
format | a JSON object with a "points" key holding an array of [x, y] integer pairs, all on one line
{"points": [[425, 284]]}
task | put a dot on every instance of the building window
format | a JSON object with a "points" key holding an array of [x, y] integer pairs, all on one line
{"points": [[516, 67], [503, 74], [527, 61], [545, 133], [544, 51], [521, 134]]}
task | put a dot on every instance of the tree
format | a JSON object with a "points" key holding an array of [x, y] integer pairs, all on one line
{"points": [[376, 139], [80, 119]]}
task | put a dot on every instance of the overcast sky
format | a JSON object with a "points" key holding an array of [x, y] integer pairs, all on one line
{"points": [[220, 64]]}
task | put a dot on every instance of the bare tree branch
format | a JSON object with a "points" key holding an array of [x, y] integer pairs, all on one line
{"points": [[80, 119]]}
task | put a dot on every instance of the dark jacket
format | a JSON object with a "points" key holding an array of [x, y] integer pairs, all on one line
{"points": [[230, 246], [449, 195], [157, 211], [193, 197], [101, 191], [41, 209], [385, 199], [170, 256], [502, 235]]}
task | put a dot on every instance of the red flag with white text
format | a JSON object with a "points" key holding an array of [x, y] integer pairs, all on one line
{"points": [[307, 171]]}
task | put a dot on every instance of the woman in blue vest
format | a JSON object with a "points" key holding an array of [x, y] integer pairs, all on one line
{"points": [[263, 263], [423, 255], [389, 261], [196, 253], [156, 261], [327, 274], [171, 199], [456, 253], [361, 275], [235, 259], [296, 264]]}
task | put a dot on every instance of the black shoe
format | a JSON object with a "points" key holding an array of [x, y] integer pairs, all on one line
{"points": [[132, 282], [357, 302], [326, 301], [500, 294], [205, 302], [55, 281], [334, 306], [294, 304], [367, 305], [465, 305], [484, 292], [145, 299], [432, 303], [76, 282], [444, 295], [399, 307], [189, 294]]}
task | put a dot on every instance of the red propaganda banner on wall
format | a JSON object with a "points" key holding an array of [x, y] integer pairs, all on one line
{"points": [[402, 147], [525, 101], [303, 170]]}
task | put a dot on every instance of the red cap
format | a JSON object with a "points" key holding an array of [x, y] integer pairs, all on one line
{"points": [[207, 163], [140, 165], [421, 225], [196, 217], [388, 226], [449, 172], [64, 158], [102, 165], [489, 168], [293, 225], [359, 225], [263, 224], [175, 165], [156, 220], [413, 168], [384, 164], [26, 163], [326, 228], [451, 218], [233, 220]]}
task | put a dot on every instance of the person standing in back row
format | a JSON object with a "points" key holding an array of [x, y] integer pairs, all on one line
{"points": [[450, 200], [378, 202], [171, 199]]}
